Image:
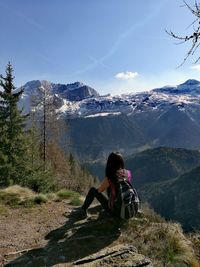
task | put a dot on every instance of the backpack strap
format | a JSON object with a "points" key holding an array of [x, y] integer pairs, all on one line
{"points": [[112, 196]]}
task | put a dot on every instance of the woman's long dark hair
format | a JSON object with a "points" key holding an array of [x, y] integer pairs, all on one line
{"points": [[114, 163]]}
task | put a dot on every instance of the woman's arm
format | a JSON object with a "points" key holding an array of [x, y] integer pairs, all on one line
{"points": [[104, 185]]}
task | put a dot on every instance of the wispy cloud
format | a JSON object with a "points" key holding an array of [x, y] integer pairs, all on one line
{"points": [[96, 61], [123, 36], [126, 75], [195, 67]]}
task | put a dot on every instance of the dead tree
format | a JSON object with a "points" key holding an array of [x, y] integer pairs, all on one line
{"points": [[52, 127], [194, 36], [42, 101]]}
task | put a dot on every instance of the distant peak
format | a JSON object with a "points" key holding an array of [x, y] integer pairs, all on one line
{"points": [[37, 83], [191, 82], [33, 83], [76, 84]]}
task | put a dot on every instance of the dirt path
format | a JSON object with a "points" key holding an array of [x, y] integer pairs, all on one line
{"points": [[47, 234], [26, 228]]}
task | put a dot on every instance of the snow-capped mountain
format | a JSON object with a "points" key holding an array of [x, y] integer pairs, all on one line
{"points": [[79, 100], [63, 94], [129, 123]]}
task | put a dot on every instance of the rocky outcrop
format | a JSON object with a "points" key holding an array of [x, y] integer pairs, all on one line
{"points": [[120, 255]]}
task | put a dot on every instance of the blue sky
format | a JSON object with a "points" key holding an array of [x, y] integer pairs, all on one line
{"points": [[115, 46]]}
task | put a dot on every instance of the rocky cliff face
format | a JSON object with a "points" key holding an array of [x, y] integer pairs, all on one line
{"points": [[75, 91]]}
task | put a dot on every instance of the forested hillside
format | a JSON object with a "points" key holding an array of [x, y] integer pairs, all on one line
{"points": [[31, 154]]}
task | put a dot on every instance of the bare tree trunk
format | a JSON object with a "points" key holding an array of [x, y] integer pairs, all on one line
{"points": [[44, 132]]}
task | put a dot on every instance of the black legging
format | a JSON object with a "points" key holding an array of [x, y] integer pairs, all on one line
{"points": [[93, 193]]}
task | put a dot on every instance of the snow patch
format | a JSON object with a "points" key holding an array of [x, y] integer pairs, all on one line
{"points": [[103, 114]]}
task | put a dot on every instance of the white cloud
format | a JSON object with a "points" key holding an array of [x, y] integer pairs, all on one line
{"points": [[126, 75], [195, 67]]}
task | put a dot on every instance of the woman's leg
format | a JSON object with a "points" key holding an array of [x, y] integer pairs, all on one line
{"points": [[93, 193]]}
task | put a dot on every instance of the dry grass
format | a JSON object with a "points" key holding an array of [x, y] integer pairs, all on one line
{"points": [[16, 196], [195, 239], [164, 243], [3, 210], [22, 192], [52, 197]]}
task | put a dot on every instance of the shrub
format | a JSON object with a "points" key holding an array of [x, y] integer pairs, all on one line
{"points": [[39, 199], [40, 182]]}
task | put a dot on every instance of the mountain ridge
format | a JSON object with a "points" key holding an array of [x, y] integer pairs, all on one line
{"points": [[160, 117], [154, 165], [86, 100]]}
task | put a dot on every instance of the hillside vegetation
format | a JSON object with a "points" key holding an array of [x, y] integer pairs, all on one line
{"points": [[178, 199]]}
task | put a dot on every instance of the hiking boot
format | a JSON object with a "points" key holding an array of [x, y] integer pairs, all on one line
{"points": [[80, 214], [104, 214]]}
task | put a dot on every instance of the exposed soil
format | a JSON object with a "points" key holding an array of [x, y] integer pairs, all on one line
{"points": [[25, 228], [47, 235]]}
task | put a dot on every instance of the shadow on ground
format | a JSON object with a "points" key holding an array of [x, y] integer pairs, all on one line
{"points": [[73, 241]]}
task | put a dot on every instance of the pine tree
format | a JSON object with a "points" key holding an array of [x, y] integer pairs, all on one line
{"points": [[12, 138]]}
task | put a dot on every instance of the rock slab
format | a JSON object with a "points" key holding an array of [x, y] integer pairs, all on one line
{"points": [[117, 256]]}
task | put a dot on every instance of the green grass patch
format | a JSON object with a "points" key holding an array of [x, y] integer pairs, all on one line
{"points": [[76, 201], [65, 194], [73, 197], [39, 199]]}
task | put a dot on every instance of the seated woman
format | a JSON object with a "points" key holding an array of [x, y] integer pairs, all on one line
{"points": [[113, 172]]}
